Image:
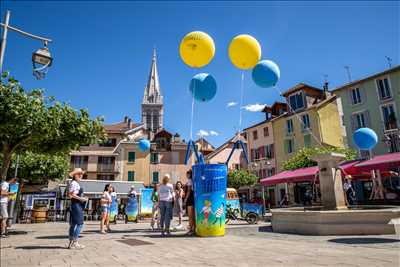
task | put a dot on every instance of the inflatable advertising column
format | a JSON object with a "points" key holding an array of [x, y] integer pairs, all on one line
{"points": [[210, 198]]}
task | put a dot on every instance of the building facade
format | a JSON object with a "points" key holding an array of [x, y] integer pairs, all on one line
{"points": [[100, 161], [313, 120], [373, 102], [261, 148], [221, 154]]}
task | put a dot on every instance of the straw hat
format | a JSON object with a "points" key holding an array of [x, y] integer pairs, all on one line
{"points": [[76, 171]]}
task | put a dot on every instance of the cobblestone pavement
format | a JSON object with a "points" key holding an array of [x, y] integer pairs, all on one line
{"points": [[243, 245]]}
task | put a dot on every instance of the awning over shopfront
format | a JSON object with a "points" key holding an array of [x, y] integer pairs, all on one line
{"points": [[357, 169], [95, 188], [299, 175], [383, 163]]}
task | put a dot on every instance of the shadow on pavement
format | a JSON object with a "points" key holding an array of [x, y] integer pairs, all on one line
{"points": [[167, 236], [40, 247], [363, 240], [53, 237], [12, 232], [266, 228], [118, 231]]}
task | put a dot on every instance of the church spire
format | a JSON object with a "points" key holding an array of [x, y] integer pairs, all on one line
{"points": [[152, 92], [152, 104]]}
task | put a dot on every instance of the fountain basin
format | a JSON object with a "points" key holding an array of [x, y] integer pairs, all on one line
{"points": [[363, 220]]}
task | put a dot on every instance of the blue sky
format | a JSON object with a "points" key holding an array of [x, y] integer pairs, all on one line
{"points": [[103, 52]]}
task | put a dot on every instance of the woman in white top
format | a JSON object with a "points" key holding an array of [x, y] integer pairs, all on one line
{"points": [[165, 199], [105, 203], [75, 193]]}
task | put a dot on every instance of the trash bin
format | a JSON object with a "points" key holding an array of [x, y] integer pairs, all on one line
{"points": [[210, 198]]}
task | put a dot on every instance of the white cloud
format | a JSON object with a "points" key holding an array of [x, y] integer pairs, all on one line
{"points": [[231, 104], [213, 133], [254, 107], [203, 133]]}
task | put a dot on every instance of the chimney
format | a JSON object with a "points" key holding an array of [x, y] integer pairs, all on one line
{"points": [[326, 91], [129, 121], [126, 119], [326, 86]]}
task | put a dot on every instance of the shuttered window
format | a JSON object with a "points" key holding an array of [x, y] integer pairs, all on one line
{"points": [[131, 156], [131, 176]]}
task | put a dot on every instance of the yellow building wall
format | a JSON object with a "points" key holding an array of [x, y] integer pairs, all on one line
{"points": [[324, 125], [280, 135], [330, 127], [140, 166]]}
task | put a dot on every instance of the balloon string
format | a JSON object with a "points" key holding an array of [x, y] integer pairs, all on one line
{"points": [[298, 118], [241, 102], [192, 114]]}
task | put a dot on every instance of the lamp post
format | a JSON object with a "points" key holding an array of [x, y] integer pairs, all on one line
{"points": [[41, 59]]}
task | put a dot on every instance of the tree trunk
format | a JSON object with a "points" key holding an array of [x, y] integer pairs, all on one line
{"points": [[7, 153]]}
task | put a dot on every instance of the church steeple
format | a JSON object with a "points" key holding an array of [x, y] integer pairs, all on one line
{"points": [[152, 104]]}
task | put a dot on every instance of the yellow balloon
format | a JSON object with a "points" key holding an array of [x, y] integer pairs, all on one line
{"points": [[197, 49], [244, 51]]}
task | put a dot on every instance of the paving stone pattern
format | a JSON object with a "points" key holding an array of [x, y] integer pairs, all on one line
{"points": [[243, 245]]}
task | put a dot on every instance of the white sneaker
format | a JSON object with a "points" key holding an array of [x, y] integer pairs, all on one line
{"points": [[179, 227], [78, 246]]}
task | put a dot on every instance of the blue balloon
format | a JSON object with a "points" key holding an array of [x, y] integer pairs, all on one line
{"points": [[365, 138], [144, 145], [203, 87], [266, 73]]}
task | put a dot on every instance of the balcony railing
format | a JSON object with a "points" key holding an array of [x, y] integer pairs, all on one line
{"points": [[392, 140], [105, 168]]}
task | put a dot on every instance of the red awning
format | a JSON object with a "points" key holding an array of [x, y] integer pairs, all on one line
{"points": [[349, 168], [299, 175], [383, 162]]}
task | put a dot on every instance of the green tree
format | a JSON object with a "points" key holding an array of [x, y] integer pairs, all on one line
{"points": [[302, 158], [238, 178], [38, 168], [30, 121]]}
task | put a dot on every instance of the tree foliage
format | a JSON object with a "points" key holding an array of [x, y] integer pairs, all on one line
{"points": [[238, 178], [302, 158], [30, 121], [38, 168]]}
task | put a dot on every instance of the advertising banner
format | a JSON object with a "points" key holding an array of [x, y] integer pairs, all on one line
{"points": [[210, 198], [113, 208], [146, 204], [131, 209], [13, 189]]}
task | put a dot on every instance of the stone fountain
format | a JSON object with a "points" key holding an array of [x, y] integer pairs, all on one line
{"points": [[333, 217]]}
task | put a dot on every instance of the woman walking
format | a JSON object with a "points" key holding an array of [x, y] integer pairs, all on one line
{"points": [[189, 201], [75, 193], [155, 212], [105, 202], [179, 203], [165, 197]]}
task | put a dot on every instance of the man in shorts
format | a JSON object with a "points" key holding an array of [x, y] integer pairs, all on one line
{"points": [[4, 194]]}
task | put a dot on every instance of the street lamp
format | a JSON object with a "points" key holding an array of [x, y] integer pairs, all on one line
{"points": [[41, 59]]}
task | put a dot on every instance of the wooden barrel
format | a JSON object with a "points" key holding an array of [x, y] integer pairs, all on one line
{"points": [[39, 214]]}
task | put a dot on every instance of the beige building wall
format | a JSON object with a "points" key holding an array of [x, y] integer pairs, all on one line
{"points": [[330, 125], [140, 166], [220, 156]]}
